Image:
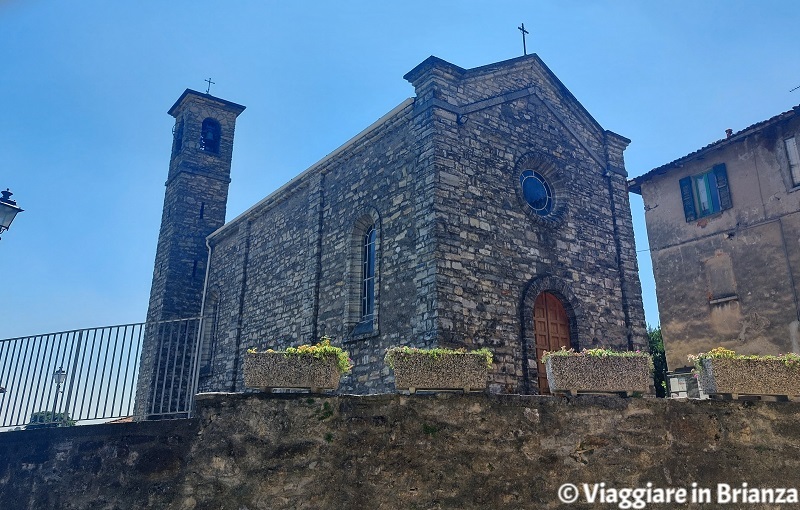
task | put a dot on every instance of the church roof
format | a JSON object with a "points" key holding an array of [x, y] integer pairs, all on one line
{"points": [[460, 73], [635, 184], [275, 195], [443, 70]]}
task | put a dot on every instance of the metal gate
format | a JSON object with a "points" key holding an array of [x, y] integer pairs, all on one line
{"points": [[90, 375]]}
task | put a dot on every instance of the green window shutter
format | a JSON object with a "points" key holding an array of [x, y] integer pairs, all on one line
{"points": [[721, 174], [688, 199]]}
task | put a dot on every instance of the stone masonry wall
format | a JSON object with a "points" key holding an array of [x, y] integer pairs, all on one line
{"points": [[180, 271], [402, 452], [259, 274], [290, 281], [492, 251], [388, 176]]}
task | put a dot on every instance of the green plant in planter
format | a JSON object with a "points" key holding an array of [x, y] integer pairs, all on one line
{"points": [[320, 350], [599, 352], [723, 373], [598, 370], [439, 369], [435, 353], [790, 359]]}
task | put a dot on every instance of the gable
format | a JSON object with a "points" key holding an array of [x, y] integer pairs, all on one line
{"points": [[465, 91]]}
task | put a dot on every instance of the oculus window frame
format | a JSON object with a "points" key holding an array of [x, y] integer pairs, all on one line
{"points": [[542, 188], [537, 192]]}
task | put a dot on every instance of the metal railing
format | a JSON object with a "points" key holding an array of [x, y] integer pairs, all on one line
{"points": [[91, 375]]}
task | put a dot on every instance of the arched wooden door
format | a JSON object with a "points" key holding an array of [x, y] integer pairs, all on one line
{"points": [[551, 326]]}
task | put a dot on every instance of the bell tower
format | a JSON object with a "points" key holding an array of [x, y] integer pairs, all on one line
{"points": [[194, 202], [194, 207]]}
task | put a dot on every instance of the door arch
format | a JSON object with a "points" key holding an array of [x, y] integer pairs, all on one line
{"points": [[551, 330]]}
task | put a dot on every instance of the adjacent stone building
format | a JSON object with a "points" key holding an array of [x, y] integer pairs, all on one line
{"points": [[489, 210], [724, 230]]}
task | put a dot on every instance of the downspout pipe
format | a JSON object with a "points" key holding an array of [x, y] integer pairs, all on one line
{"points": [[199, 340], [608, 174], [240, 319]]}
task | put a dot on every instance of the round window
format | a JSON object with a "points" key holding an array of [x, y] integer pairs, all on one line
{"points": [[537, 192]]}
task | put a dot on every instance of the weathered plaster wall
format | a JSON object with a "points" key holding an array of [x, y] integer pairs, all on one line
{"points": [[392, 451], [751, 251]]}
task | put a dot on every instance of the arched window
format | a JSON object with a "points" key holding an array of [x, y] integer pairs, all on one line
{"points": [[368, 275], [363, 276], [209, 136], [177, 131]]}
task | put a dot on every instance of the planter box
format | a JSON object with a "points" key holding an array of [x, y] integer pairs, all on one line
{"points": [[749, 377], [268, 370], [590, 374], [419, 371]]}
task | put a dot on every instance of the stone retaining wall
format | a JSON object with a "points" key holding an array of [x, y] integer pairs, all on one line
{"points": [[260, 451]]}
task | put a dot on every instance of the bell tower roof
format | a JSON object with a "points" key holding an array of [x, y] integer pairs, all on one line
{"points": [[222, 103]]}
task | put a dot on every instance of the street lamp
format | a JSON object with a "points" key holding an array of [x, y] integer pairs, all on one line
{"points": [[59, 376], [8, 210]]}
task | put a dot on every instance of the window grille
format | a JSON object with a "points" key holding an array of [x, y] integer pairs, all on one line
{"points": [[368, 275]]}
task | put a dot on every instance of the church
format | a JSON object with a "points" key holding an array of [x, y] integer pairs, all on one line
{"points": [[489, 210]]}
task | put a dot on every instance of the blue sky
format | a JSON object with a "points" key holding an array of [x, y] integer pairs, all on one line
{"points": [[85, 138]]}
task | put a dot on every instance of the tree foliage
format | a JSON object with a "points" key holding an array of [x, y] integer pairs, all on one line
{"points": [[659, 360], [48, 419]]}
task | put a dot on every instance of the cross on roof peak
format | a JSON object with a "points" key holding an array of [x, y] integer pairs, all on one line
{"points": [[521, 28]]}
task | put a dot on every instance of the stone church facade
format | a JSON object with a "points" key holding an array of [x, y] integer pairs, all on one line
{"points": [[489, 210]]}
